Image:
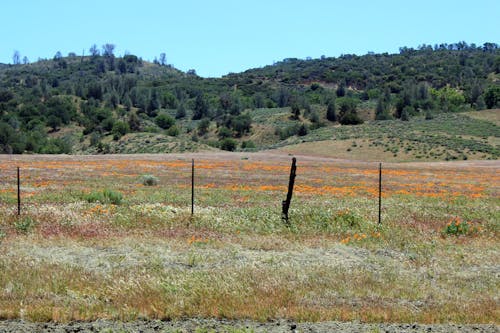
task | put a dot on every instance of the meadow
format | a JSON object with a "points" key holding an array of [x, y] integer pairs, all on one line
{"points": [[113, 237]]}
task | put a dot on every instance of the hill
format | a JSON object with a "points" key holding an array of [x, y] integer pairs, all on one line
{"points": [[410, 103]]}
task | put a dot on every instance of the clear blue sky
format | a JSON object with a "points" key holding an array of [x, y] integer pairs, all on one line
{"points": [[216, 37]]}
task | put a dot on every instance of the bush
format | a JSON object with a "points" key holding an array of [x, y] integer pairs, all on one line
{"points": [[457, 227], [149, 180], [224, 132], [228, 144], [302, 130], [288, 131], [248, 145], [164, 121], [106, 196], [24, 224], [120, 128], [350, 118], [347, 219], [173, 131]]}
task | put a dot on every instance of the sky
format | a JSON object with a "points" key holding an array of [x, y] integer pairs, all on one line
{"points": [[216, 37]]}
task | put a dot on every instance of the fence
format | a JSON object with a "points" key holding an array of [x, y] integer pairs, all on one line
{"points": [[281, 168]]}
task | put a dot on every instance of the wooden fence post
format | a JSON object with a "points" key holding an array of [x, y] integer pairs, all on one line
{"points": [[380, 194], [18, 192], [286, 203]]}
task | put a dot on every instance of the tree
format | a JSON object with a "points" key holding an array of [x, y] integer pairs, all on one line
{"points": [[302, 130], [381, 112], [348, 114], [295, 111], [54, 122], [225, 101], [492, 96], [241, 124], [134, 122], [58, 55], [7, 138], [331, 113], [200, 107], [283, 97], [62, 108], [224, 132], [120, 128], [258, 100], [122, 66], [16, 58], [108, 50], [405, 114], [480, 104], [108, 54], [26, 60], [163, 59], [340, 90], [94, 51], [168, 100], [203, 126], [181, 111]]}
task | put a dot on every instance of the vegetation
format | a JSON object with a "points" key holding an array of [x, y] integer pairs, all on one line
{"points": [[432, 260], [105, 196], [100, 103], [149, 180]]}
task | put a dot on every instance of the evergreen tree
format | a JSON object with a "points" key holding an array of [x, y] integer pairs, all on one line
{"points": [[200, 107], [181, 111], [331, 113]]}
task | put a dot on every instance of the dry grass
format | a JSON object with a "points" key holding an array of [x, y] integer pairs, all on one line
{"points": [[343, 149], [492, 116], [68, 259]]}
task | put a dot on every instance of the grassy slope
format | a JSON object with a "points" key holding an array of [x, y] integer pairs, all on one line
{"points": [[474, 135]]}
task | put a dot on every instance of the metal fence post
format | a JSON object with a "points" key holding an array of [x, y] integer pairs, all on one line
{"points": [[380, 194]]}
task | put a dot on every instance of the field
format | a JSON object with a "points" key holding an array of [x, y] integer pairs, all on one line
{"points": [[112, 237]]}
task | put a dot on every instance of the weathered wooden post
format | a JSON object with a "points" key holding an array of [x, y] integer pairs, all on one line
{"points": [[286, 203], [18, 192], [380, 193], [192, 187]]}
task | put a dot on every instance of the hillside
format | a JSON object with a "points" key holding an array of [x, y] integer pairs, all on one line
{"points": [[418, 104]]}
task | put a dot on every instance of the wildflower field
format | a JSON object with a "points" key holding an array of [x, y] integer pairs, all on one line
{"points": [[113, 237]]}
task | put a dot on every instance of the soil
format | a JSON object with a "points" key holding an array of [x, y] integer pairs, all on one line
{"points": [[212, 325]]}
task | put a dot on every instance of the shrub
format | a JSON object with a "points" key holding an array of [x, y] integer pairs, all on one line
{"points": [[224, 132], [228, 144], [164, 121], [149, 180], [248, 145], [347, 219], [302, 130], [173, 131], [105, 196], [350, 118], [457, 227], [120, 128], [24, 224]]}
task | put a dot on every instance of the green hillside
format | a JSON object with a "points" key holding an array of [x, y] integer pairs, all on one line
{"points": [[417, 104]]}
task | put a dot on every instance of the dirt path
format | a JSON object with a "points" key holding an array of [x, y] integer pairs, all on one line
{"points": [[208, 325]]}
